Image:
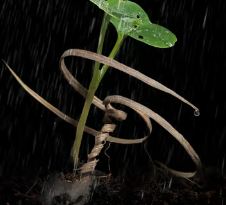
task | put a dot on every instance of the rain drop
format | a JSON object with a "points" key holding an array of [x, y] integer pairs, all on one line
{"points": [[164, 186], [197, 112], [142, 194], [170, 182]]}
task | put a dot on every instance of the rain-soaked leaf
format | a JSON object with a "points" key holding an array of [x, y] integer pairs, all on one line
{"points": [[151, 34], [123, 10], [130, 19]]}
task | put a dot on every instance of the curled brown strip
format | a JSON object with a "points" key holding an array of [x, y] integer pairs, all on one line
{"points": [[108, 127], [144, 112], [177, 173], [115, 64], [91, 164], [69, 119], [138, 107]]}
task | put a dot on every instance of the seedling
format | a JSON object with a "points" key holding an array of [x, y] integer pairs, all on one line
{"points": [[129, 19]]}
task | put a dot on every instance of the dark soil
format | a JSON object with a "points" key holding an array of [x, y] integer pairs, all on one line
{"points": [[161, 190]]}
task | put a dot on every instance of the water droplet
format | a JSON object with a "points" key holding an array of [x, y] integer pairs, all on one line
{"points": [[197, 112], [167, 31], [155, 42], [154, 35]]}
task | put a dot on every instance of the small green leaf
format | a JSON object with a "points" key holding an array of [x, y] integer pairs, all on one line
{"points": [[151, 34], [130, 19]]}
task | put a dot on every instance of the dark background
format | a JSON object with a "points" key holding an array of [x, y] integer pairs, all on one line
{"points": [[33, 36]]}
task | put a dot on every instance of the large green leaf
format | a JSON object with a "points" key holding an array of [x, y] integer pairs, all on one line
{"points": [[130, 19], [125, 10]]}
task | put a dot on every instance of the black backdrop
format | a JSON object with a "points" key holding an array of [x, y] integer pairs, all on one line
{"points": [[33, 36]]}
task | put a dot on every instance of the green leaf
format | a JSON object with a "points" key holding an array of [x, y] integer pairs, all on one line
{"points": [[125, 10], [130, 19], [151, 34]]}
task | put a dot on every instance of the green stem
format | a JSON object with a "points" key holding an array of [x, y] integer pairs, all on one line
{"points": [[90, 93], [112, 54], [104, 26], [97, 76]]}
